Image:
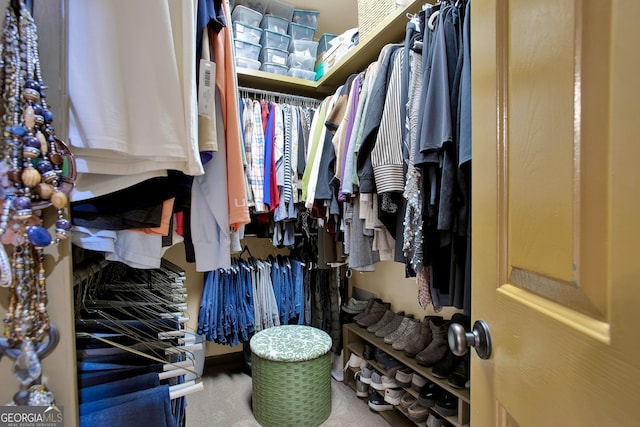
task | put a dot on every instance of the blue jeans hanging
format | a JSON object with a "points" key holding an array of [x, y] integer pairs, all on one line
{"points": [[150, 407]]}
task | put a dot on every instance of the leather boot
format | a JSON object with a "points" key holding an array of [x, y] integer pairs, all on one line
{"points": [[391, 326], [390, 338], [460, 373], [369, 351], [422, 340], [366, 311], [443, 368], [388, 317], [375, 314], [439, 345], [410, 334]]}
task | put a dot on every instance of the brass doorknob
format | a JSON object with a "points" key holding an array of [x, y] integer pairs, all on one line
{"points": [[479, 338]]}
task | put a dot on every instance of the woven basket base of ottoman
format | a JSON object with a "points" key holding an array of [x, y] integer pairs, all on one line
{"points": [[292, 394]]}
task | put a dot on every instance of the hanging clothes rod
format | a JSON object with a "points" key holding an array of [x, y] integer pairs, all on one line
{"points": [[281, 95]]}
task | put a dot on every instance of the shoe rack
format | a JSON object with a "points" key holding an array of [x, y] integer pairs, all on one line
{"points": [[354, 340]]}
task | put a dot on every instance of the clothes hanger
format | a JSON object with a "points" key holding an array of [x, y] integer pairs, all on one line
{"points": [[170, 369], [251, 259], [186, 389], [136, 302], [432, 20], [247, 250], [113, 324], [154, 333]]}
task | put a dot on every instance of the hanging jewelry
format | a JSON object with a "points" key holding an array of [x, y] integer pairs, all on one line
{"points": [[36, 171]]}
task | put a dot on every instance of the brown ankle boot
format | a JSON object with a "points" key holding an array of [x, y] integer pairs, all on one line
{"points": [[439, 345], [375, 314], [423, 339], [388, 317], [390, 338], [391, 326], [366, 311], [410, 335]]}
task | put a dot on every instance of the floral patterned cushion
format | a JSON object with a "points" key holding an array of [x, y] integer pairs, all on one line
{"points": [[290, 343]]}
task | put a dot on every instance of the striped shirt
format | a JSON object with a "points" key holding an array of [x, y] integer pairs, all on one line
{"points": [[386, 155], [256, 159]]}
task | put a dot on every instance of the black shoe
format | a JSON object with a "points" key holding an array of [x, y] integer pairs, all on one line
{"points": [[428, 394], [385, 361], [446, 404], [460, 373], [443, 368], [369, 351], [378, 404]]}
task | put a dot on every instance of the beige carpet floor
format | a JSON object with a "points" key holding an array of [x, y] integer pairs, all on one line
{"points": [[226, 402]]}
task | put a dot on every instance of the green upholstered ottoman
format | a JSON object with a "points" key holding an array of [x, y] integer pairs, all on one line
{"points": [[291, 373]]}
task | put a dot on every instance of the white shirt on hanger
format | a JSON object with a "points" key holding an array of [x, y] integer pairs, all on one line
{"points": [[132, 95]]}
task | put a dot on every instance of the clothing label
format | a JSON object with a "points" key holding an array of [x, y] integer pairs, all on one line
{"points": [[206, 88]]}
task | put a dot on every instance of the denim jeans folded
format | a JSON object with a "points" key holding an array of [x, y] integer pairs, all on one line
{"points": [[151, 407], [92, 378], [118, 387]]}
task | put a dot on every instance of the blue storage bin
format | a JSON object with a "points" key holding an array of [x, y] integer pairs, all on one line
{"points": [[323, 43], [301, 74], [257, 5], [306, 17], [301, 32], [247, 16], [247, 49], [281, 9], [303, 62], [246, 32], [274, 23], [249, 64], [274, 68], [304, 47], [274, 56], [275, 40]]}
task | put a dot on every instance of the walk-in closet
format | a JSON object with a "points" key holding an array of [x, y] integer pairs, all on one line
{"points": [[303, 213]]}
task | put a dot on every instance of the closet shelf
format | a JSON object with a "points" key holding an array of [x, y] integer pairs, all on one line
{"points": [[277, 83], [389, 30], [354, 340], [463, 394]]}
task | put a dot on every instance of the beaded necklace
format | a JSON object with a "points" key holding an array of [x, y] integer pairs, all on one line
{"points": [[36, 171]]}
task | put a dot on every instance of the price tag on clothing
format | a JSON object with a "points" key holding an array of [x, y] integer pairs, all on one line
{"points": [[206, 88]]}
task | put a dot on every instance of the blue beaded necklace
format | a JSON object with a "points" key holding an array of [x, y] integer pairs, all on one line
{"points": [[36, 171]]}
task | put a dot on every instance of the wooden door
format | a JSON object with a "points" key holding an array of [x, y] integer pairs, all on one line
{"points": [[556, 211]]}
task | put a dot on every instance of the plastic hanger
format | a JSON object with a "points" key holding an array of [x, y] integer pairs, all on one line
{"points": [[432, 20]]}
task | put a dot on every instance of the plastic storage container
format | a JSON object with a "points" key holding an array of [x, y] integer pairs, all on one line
{"points": [[275, 40], [281, 9], [303, 47], [274, 68], [324, 42], [246, 16], [257, 5], [301, 74], [249, 64], [247, 49], [301, 32], [246, 32], [274, 23], [303, 62], [306, 17], [274, 56]]}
